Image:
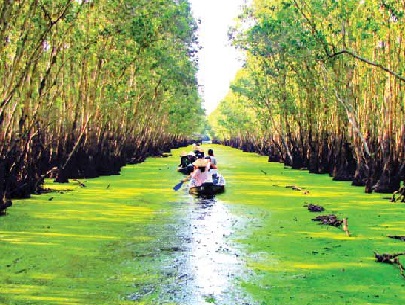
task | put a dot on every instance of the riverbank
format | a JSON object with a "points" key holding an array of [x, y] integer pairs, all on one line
{"points": [[131, 239]]}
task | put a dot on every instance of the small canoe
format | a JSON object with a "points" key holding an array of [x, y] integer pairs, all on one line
{"points": [[185, 170], [209, 189]]}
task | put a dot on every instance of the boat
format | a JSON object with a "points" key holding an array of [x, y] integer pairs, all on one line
{"points": [[185, 170], [209, 189]]}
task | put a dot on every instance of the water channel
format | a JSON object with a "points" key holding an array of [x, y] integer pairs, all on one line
{"points": [[208, 266], [131, 239]]}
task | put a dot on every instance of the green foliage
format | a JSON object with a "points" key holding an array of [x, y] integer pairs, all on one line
{"points": [[129, 60], [320, 65], [234, 117]]}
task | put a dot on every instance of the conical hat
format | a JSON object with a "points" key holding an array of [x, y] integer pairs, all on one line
{"points": [[200, 163]]}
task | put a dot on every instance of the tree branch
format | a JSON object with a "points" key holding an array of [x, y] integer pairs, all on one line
{"points": [[369, 62]]}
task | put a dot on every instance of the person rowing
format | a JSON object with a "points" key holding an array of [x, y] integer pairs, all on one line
{"points": [[200, 174]]}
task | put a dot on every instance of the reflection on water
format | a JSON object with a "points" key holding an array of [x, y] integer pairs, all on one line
{"points": [[211, 259], [209, 266]]}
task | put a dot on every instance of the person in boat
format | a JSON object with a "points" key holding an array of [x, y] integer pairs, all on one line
{"points": [[184, 160], [200, 174], [213, 166], [199, 152], [186, 163], [191, 157], [212, 159]]}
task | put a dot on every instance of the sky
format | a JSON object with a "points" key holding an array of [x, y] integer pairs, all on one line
{"points": [[218, 61]]}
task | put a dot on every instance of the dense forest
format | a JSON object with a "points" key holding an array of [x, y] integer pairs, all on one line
{"points": [[90, 85], [322, 88]]}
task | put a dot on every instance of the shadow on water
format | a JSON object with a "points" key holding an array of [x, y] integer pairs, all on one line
{"points": [[209, 266]]}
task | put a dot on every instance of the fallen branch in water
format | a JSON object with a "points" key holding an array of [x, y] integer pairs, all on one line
{"points": [[294, 188], [330, 220], [314, 208], [391, 259], [80, 183], [397, 237], [387, 258]]}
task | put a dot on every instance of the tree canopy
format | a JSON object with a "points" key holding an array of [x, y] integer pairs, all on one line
{"points": [[93, 79], [326, 81]]}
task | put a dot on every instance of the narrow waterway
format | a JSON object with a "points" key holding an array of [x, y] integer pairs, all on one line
{"points": [[130, 239]]}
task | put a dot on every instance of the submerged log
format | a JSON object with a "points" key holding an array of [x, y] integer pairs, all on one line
{"points": [[397, 237], [330, 220], [294, 187], [391, 259], [314, 208], [387, 258]]}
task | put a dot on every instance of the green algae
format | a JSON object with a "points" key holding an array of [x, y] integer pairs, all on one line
{"points": [[92, 245], [297, 261], [111, 242]]}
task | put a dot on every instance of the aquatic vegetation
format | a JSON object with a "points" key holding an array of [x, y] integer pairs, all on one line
{"points": [[297, 261], [131, 239]]}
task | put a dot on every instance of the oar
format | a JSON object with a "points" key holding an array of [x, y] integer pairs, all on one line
{"points": [[178, 185]]}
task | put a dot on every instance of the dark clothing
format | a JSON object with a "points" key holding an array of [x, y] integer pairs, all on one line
{"points": [[199, 154]]}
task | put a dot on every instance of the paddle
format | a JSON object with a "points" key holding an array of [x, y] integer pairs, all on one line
{"points": [[178, 185]]}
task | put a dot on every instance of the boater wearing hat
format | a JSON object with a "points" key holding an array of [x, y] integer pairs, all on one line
{"points": [[200, 173], [184, 160]]}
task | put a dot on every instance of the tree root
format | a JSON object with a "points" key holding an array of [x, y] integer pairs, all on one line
{"points": [[80, 183], [400, 195], [4, 204]]}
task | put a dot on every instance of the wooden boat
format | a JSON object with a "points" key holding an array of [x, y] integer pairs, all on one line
{"points": [[209, 189], [185, 170]]}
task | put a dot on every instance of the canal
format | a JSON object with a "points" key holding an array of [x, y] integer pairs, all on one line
{"points": [[132, 239]]}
